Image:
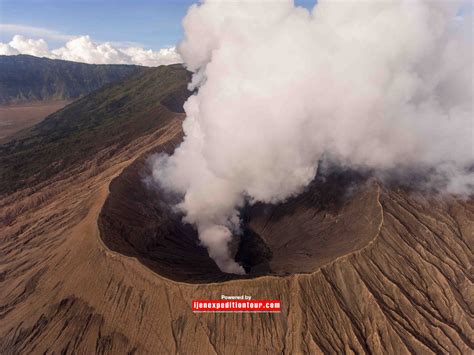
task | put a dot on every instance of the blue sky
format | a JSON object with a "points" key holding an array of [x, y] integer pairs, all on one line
{"points": [[152, 23]]}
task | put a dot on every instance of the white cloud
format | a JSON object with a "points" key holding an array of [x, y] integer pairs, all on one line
{"points": [[6, 49], [36, 47], [83, 49], [149, 57]]}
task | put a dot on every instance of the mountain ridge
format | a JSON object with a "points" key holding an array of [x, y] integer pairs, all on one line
{"points": [[25, 78]]}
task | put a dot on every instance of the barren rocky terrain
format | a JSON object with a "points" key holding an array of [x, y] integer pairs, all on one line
{"points": [[92, 261]]}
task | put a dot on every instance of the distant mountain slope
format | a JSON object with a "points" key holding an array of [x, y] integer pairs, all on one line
{"points": [[28, 78], [111, 116]]}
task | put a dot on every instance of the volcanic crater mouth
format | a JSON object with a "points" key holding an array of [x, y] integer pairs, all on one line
{"points": [[336, 215]]}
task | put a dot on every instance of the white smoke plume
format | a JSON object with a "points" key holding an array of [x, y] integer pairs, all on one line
{"points": [[373, 84]]}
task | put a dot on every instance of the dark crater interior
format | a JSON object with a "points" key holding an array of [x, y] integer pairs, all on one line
{"points": [[337, 214]]}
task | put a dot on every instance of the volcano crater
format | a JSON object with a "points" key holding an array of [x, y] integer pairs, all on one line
{"points": [[337, 214]]}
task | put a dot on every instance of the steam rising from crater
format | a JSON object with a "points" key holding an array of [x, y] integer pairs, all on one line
{"points": [[373, 84]]}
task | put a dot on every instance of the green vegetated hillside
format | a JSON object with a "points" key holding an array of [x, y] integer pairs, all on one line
{"points": [[113, 115], [27, 78]]}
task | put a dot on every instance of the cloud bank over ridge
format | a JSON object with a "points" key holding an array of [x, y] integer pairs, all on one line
{"points": [[83, 49]]}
